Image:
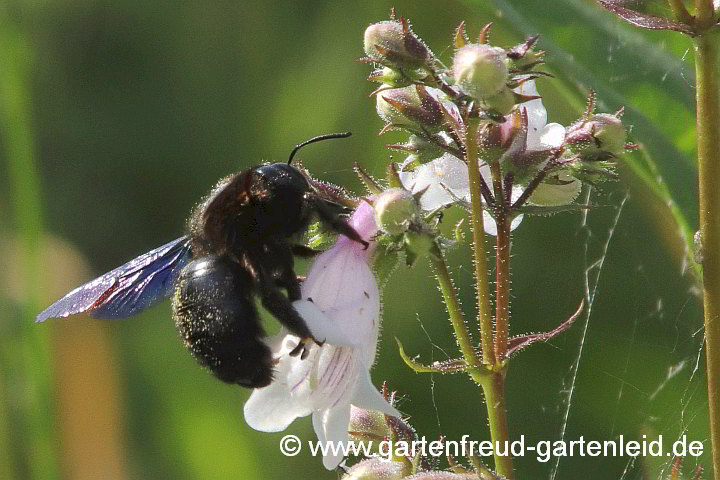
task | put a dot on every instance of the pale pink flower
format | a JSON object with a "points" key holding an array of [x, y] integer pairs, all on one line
{"points": [[341, 304]]}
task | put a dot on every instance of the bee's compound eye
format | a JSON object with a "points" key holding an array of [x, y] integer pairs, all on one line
{"points": [[282, 175]]}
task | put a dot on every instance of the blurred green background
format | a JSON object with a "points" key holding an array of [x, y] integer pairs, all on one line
{"points": [[116, 117]]}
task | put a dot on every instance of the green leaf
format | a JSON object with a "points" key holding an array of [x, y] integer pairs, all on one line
{"points": [[447, 366]]}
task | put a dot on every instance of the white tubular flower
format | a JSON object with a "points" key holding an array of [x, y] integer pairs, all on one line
{"points": [[541, 135], [445, 181], [562, 188], [341, 305]]}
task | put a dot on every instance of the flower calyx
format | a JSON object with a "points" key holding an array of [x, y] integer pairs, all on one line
{"points": [[403, 226], [392, 43]]}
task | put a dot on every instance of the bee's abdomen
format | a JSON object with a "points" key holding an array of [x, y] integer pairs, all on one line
{"points": [[215, 314]]}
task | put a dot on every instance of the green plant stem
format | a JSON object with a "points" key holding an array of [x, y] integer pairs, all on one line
{"points": [[492, 380], [708, 140], [457, 317], [493, 386], [502, 266], [704, 15], [680, 13], [478, 227]]}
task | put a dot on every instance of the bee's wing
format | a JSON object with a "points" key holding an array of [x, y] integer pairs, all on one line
{"points": [[128, 289]]}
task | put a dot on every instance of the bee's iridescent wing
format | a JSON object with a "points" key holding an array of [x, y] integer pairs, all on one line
{"points": [[128, 289]]}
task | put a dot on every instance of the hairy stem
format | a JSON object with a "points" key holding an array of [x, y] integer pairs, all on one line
{"points": [[481, 264], [493, 386], [491, 379], [457, 317], [704, 16], [708, 139], [502, 266]]}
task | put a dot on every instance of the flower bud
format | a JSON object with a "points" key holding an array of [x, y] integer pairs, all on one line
{"points": [[395, 209], [389, 77], [392, 43], [377, 469], [368, 425], [410, 105], [417, 244], [421, 150], [502, 102], [481, 70], [602, 132]]}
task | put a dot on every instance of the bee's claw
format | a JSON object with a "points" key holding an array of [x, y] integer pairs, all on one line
{"points": [[303, 348]]}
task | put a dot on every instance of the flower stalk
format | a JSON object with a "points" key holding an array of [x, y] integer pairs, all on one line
{"points": [[502, 266], [494, 390], [457, 317], [481, 264], [493, 385], [708, 139]]}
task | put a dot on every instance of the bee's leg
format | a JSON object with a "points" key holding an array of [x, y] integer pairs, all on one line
{"points": [[291, 283], [281, 308], [304, 251], [336, 222]]}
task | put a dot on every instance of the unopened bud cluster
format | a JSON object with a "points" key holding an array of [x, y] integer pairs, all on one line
{"points": [[544, 164]]}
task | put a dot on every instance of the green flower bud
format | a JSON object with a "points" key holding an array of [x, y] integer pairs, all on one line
{"points": [[377, 469], [425, 149], [389, 77], [410, 106], [481, 70], [368, 425], [502, 102], [392, 43], [418, 244], [610, 132], [395, 209], [601, 133]]}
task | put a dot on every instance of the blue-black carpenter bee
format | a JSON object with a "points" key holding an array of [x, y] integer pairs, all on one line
{"points": [[239, 247]]}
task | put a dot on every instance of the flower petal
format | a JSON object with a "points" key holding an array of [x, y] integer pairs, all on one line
{"points": [[554, 194], [331, 426], [436, 178], [322, 327], [271, 409], [341, 284], [537, 114], [366, 396], [552, 136]]}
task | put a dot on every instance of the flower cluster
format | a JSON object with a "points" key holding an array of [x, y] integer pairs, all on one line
{"points": [[478, 137], [527, 165]]}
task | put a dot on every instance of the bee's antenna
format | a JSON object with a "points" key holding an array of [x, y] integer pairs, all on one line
{"points": [[316, 139]]}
